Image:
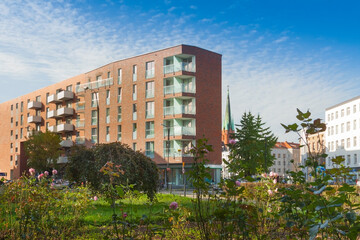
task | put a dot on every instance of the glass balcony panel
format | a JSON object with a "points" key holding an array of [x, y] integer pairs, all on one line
{"points": [[168, 110], [169, 68], [149, 133]]}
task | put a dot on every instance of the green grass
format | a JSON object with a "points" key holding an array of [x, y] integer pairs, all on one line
{"points": [[101, 212]]}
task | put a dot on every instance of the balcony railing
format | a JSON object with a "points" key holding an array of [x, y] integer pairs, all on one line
{"points": [[53, 99], [52, 128], [34, 105], [65, 95], [183, 88], [149, 133], [183, 109], [51, 114], [188, 67], [95, 84], [65, 127], [150, 73], [34, 119], [64, 111], [180, 131], [67, 143], [149, 93], [80, 123], [171, 152]]}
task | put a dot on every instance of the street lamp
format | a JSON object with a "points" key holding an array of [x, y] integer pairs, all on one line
{"points": [[168, 154], [98, 112]]}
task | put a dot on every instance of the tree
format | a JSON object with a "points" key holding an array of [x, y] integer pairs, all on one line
{"points": [[250, 153], [85, 165], [43, 150]]}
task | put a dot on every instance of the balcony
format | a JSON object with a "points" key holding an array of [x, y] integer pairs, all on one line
{"points": [[51, 114], [52, 129], [181, 66], [65, 95], [180, 131], [171, 152], [67, 143], [64, 111], [65, 127], [182, 88], [80, 106], [34, 105], [34, 119], [182, 109], [80, 123], [95, 85], [53, 99], [80, 140]]}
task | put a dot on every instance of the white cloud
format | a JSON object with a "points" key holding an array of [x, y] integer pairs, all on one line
{"points": [[282, 39]]}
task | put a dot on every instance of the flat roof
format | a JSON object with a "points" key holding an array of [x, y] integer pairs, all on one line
{"points": [[339, 104]]}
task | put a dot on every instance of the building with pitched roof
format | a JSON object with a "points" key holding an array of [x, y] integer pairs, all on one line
{"points": [[284, 152]]}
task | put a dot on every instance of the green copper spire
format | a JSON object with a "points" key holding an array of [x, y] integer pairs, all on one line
{"points": [[228, 123]]}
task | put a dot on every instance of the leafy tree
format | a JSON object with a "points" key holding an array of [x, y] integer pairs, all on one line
{"points": [[139, 170], [251, 151], [43, 150]]}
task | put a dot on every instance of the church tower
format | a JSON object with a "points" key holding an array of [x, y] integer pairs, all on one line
{"points": [[228, 124]]}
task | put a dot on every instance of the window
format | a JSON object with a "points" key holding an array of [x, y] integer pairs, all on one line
{"points": [[150, 107], [355, 158], [119, 114], [337, 144], [69, 88], [150, 69], [119, 95], [107, 134], [149, 129], [348, 142], [119, 75], [134, 73], [93, 117], [348, 160], [108, 74], [355, 142], [348, 126], [354, 124], [332, 130], [38, 98], [354, 109], [332, 146], [119, 133], [69, 104], [149, 89], [134, 146], [47, 126], [342, 112], [279, 155], [94, 135], [149, 149], [342, 127], [348, 111], [134, 92], [134, 132], [94, 99], [342, 143], [98, 78], [134, 112], [336, 114], [21, 106], [107, 119], [21, 120], [336, 129], [329, 117], [11, 107], [332, 116], [107, 97]]}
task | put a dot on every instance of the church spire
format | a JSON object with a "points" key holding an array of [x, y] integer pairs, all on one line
{"points": [[228, 123]]}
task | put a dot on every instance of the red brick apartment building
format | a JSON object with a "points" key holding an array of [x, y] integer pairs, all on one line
{"points": [[143, 101]]}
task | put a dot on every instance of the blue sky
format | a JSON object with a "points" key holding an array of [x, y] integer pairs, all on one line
{"points": [[277, 55]]}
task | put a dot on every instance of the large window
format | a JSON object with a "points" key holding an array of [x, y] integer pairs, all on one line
{"points": [[149, 89], [119, 95], [119, 75], [107, 119], [107, 97], [149, 149], [119, 114], [119, 133], [94, 117], [150, 109], [149, 129], [150, 69], [134, 96], [107, 134], [134, 112], [134, 73], [94, 135], [134, 132], [94, 99]]}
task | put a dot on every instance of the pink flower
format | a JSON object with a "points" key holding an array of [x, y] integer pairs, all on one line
{"points": [[271, 174], [232, 141], [276, 190], [46, 173], [32, 171], [124, 215], [173, 205], [270, 192], [54, 172], [264, 175], [275, 181], [40, 176], [238, 183], [95, 198]]}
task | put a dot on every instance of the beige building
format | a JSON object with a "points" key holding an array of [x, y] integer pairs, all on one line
{"points": [[284, 152]]}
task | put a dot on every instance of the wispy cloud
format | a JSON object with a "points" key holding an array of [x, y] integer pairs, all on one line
{"points": [[47, 42]]}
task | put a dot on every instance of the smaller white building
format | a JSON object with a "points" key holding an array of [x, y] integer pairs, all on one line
{"points": [[342, 137], [284, 152]]}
